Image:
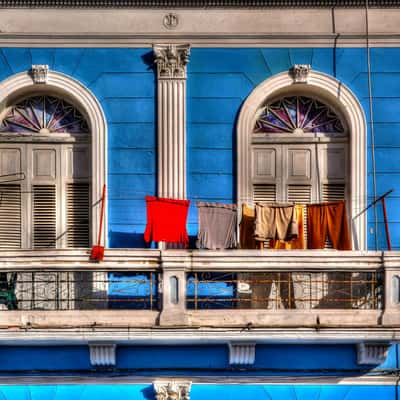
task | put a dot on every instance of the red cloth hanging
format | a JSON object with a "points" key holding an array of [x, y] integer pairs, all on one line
{"points": [[166, 220]]}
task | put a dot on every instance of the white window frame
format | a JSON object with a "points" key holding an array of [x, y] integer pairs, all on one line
{"points": [[66, 87], [334, 93]]}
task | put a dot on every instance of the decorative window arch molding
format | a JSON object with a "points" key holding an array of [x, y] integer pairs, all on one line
{"points": [[64, 86], [339, 96]]}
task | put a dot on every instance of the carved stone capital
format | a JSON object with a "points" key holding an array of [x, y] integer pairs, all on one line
{"points": [[39, 73], [300, 72], [171, 60], [172, 390]]}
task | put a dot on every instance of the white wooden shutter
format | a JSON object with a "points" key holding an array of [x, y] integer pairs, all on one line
{"points": [[10, 216], [78, 215], [333, 191], [44, 216], [301, 194], [264, 193]]}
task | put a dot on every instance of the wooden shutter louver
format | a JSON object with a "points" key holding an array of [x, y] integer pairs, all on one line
{"points": [[44, 216], [264, 193], [301, 194], [78, 215], [10, 216], [333, 192]]}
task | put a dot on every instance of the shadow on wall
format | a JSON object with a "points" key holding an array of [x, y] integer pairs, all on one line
{"points": [[148, 392], [127, 240]]}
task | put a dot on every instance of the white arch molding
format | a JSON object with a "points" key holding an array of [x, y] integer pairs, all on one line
{"points": [[69, 88], [342, 99]]}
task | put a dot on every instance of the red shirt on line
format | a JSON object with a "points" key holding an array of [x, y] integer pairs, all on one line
{"points": [[166, 220]]}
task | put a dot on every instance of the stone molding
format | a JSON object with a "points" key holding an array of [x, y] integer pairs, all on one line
{"points": [[102, 354], [65, 86], [39, 73], [210, 27], [171, 60], [172, 390], [372, 353], [227, 380], [242, 353], [336, 94]]}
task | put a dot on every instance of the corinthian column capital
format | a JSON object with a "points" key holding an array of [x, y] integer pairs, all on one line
{"points": [[172, 390], [171, 60]]}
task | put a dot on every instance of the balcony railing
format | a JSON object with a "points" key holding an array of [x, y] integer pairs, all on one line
{"points": [[80, 290], [297, 290], [194, 289]]}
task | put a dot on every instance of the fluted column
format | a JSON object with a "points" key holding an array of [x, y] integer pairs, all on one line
{"points": [[171, 61]]}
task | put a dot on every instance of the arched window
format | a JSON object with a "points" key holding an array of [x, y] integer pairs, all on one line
{"points": [[304, 142], [45, 174], [298, 151]]}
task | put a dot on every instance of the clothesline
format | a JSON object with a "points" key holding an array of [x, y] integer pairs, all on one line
{"points": [[167, 218]]}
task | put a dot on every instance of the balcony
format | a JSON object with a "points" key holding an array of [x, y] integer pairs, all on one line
{"points": [[190, 295]]}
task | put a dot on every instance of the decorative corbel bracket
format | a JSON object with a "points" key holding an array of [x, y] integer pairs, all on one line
{"points": [[372, 353], [39, 73], [102, 354], [242, 353], [172, 390], [300, 72]]}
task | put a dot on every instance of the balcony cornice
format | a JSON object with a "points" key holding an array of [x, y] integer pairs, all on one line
{"points": [[205, 260]]}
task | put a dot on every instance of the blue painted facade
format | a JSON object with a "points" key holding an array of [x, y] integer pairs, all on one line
{"points": [[219, 80], [199, 392], [271, 359]]}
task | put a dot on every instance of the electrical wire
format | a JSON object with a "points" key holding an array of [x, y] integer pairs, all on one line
{"points": [[371, 121]]}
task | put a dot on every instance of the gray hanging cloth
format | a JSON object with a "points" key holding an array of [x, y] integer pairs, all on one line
{"points": [[217, 226]]}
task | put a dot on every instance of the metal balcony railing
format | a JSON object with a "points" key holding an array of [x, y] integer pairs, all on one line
{"points": [[80, 290], [285, 290]]}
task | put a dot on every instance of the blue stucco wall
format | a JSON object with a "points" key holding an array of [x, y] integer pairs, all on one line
{"points": [[272, 359], [123, 82], [219, 80], [200, 392]]}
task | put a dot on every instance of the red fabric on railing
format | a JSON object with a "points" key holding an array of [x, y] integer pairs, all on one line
{"points": [[166, 220]]}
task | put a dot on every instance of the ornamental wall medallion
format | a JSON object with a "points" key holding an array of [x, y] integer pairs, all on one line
{"points": [[171, 21]]}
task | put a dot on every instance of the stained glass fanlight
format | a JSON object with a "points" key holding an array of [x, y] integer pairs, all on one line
{"points": [[298, 114], [43, 115]]}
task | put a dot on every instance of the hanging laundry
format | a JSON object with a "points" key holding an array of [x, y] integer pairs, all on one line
{"points": [[296, 243], [217, 226], [328, 219], [275, 221], [246, 228], [166, 220]]}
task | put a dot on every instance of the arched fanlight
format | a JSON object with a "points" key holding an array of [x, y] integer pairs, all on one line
{"points": [[298, 114], [43, 115]]}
